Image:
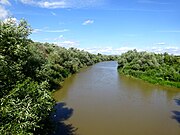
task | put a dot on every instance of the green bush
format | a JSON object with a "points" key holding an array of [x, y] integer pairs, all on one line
{"points": [[161, 69], [29, 72], [23, 109]]}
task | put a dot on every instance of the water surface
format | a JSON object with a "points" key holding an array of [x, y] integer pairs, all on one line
{"points": [[106, 103]]}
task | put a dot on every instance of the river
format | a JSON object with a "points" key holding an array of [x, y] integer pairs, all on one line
{"points": [[106, 103]]}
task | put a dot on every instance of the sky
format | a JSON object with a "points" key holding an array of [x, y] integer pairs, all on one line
{"points": [[101, 26]]}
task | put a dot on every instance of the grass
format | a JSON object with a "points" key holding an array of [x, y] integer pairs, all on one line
{"points": [[153, 79]]}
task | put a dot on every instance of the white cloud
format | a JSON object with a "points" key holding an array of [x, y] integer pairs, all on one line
{"points": [[139, 10], [60, 38], [169, 49], [56, 31], [67, 43], [108, 50], [88, 22], [45, 4], [54, 14], [50, 31], [62, 41], [3, 13], [55, 4], [63, 3], [36, 30], [27, 1], [5, 2], [124, 49], [161, 43], [117, 51]]}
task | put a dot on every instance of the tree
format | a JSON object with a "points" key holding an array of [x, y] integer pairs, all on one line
{"points": [[155, 68], [24, 109], [13, 53]]}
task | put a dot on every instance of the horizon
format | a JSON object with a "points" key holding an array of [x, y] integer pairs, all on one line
{"points": [[101, 26]]}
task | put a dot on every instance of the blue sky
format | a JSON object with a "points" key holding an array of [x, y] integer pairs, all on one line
{"points": [[105, 26]]}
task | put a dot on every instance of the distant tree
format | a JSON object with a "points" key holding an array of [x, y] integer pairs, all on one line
{"points": [[155, 68]]}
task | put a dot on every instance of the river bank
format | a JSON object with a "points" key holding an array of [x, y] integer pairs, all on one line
{"points": [[105, 102]]}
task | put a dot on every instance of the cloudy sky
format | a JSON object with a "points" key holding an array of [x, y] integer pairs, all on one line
{"points": [[105, 26]]}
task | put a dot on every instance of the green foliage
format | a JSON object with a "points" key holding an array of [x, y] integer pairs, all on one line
{"points": [[61, 62], [29, 71], [25, 107], [13, 53], [161, 69]]}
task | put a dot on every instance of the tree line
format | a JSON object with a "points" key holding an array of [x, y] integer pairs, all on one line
{"points": [[29, 72], [163, 69]]}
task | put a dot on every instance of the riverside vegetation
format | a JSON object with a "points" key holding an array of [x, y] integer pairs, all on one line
{"points": [[29, 72], [163, 69]]}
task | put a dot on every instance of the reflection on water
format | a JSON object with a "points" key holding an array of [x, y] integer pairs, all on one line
{"points": [[106, 103], [145, 88], [176, 114], [177, 101], [58, 117]]}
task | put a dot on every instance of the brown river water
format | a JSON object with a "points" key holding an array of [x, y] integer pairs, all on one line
{"points": [[106, 103]]}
